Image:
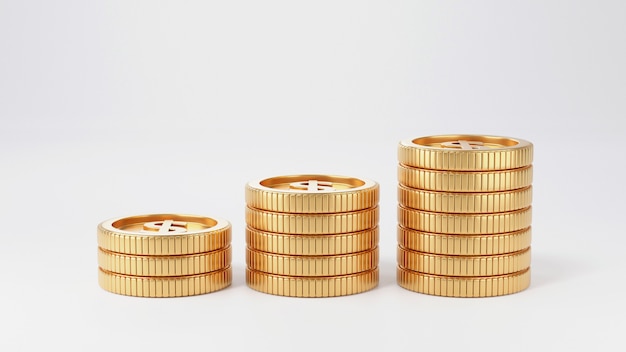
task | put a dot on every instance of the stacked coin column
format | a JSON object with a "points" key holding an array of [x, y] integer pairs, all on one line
{"points": [[464, 215], [164, 255], [312, 235]]}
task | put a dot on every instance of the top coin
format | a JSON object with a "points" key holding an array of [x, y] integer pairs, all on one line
{"points": [[465, 152], [164, 234], [312, 194]]}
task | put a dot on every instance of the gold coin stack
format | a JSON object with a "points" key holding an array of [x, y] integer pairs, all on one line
{"points": [[312, 235], [164, 255], [464, 215]]}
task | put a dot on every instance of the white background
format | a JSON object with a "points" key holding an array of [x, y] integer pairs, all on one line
{"points": [[116, 108]]}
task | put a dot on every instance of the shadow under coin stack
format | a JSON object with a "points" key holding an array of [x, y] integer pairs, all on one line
{"points": [[312, 235], [164, 255], [464, 215]]}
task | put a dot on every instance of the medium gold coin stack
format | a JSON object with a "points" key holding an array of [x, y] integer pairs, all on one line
{"points": [[464, 215], [312, 235], [164, 255]]}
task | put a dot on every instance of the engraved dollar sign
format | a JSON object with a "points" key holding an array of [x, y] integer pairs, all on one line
{"points": [[467, 145], [312, 186], [165, 226]]}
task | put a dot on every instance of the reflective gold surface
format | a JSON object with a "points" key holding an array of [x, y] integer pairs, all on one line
{"points": [[312, 224], [164, 255], [464, 214], [294, 286], [464, 224], [465, 181], [297, 265], [149, 235], [482, 244], [453, 286], [312, 194], [176, 286], [465, 152], [312, 235], [463, 265], [342, 243], [174, 265], [462, 202]]}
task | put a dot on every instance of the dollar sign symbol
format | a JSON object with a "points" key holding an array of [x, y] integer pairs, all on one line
{"points": [[466, 145], [165, 226], [312, 186]]}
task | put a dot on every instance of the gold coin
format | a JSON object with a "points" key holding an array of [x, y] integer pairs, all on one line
{"points": [[466, 152], [298, 265], [464, 224], [463, 265], [173, 265], [312, 194], [465, 181], [164, 234], [312, 224], [450, 286], [438, 243], [173, 286], [312, 244], [460, 202], [293, 286]]}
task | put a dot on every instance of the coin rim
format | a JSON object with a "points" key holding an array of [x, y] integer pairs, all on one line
{"points": [[410, 280], [262, 197], [217, 280], [294, 223], [367, 183], [220, 224], [402, 210], [436, 158], [525, 236], [364, 281], [299, 265], [519, 143], [176, 244], [347, 242], [461, 202], [171, 263], [407, 258], [421, 178]]}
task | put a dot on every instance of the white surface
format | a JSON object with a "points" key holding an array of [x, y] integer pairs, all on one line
{"points": [[120, 107]]}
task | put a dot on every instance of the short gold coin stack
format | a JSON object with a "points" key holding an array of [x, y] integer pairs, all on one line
{"points": [[464, 215], [164, 255], [312, 235]]}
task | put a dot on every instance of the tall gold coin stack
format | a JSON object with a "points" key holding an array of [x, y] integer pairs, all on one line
{"points": [[312, 235], [464, 215], [164, 255]]}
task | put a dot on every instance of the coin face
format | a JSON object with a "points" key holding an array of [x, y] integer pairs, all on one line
{"points": [[163, 224], [465, 152], [312, 193], [164, 234], [469, 142], [315, 183]]}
